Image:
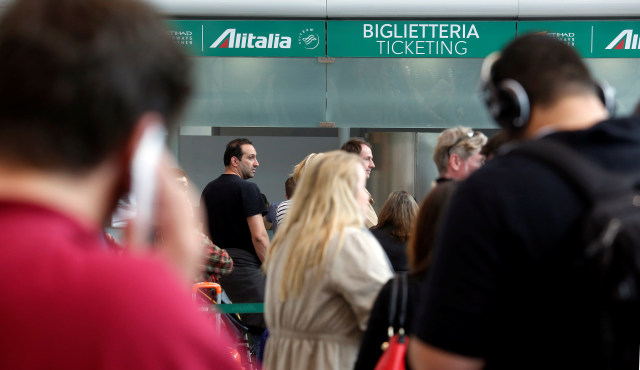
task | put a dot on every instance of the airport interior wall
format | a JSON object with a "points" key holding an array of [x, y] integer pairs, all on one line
{"points": [[399, 93]]}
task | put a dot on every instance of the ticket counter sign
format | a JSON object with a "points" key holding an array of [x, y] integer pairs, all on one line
{"points": [[417, 39], [249, 38], [601, 39]]}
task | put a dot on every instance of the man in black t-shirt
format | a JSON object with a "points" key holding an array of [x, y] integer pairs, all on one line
{"points": [[235, 209], [503, 291]]}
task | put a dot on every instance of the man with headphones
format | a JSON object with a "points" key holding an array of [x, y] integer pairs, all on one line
{"points": [[502, 293]]}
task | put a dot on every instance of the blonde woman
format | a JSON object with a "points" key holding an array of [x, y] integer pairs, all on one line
{"points": [[324, 270]]}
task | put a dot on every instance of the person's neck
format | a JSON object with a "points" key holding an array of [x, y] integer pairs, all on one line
{"points": [[232, 171], [571, 113], [450, 175], [88, 198]]}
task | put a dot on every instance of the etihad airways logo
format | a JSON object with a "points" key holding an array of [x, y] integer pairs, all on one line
{"points": [[234, 40], [625, 40]]}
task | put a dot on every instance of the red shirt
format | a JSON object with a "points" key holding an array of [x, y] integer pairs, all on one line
{"points": [[66, 302]]}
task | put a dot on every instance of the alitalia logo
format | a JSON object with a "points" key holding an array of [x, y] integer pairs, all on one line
{"points": [[626, 40], [232, 39]]}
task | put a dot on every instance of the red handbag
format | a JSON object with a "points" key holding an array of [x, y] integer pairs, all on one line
{"points": [[394, 354]]}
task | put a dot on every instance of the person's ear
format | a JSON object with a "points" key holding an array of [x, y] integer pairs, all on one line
{"points": [[234, 161], [454, 162]]}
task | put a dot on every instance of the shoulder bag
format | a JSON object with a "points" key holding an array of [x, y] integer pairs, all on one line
{"points": [[395, 349]]}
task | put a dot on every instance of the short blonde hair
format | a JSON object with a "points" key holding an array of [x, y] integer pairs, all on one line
{"points": [[299, 168], [324, 203], [460, 140]]}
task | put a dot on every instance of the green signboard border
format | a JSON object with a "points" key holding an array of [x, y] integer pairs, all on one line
{"points": [[395, 39]]}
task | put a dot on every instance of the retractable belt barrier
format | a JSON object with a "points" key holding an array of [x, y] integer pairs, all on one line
{"points": [[226, 307], [239, 307]]}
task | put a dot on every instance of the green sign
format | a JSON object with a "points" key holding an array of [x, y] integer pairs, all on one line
{"points": [[250, 38], [417, 39], [604, 39], [396, 39]]}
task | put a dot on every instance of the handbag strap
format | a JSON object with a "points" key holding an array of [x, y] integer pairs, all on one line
{"points": [[399, 286], [393, 304], [403, 302]]}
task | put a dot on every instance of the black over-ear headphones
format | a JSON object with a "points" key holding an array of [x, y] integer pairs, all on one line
{"points": [[508, 102]]}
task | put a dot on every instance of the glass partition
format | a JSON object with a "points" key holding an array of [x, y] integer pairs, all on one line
{"points": [[284, 92], [405, 93], [622, 74]]}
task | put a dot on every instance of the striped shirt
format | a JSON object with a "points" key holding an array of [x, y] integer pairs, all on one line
{"points": [[282, 210]]}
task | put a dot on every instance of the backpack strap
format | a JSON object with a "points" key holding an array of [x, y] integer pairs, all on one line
{"points": [[613, 265], [588, 177]]}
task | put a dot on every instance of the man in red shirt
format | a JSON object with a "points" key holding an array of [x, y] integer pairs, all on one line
{"points": [[80, 81]]}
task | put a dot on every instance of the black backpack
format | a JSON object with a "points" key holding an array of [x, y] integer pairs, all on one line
{"points": [[612, 243]]}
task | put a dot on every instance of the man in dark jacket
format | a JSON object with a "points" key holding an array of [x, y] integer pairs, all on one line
{"points": [[503, 292]]}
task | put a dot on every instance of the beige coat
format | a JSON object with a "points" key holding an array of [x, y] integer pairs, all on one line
{"points": [[372, 217], [323, 327]]}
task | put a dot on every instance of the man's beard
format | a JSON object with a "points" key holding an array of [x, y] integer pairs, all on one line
{"points": [[247, 174]]}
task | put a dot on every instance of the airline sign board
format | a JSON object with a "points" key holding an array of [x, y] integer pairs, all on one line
{"points": [[602, 39], [417, 39], [249, 38], [395, 39]]}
